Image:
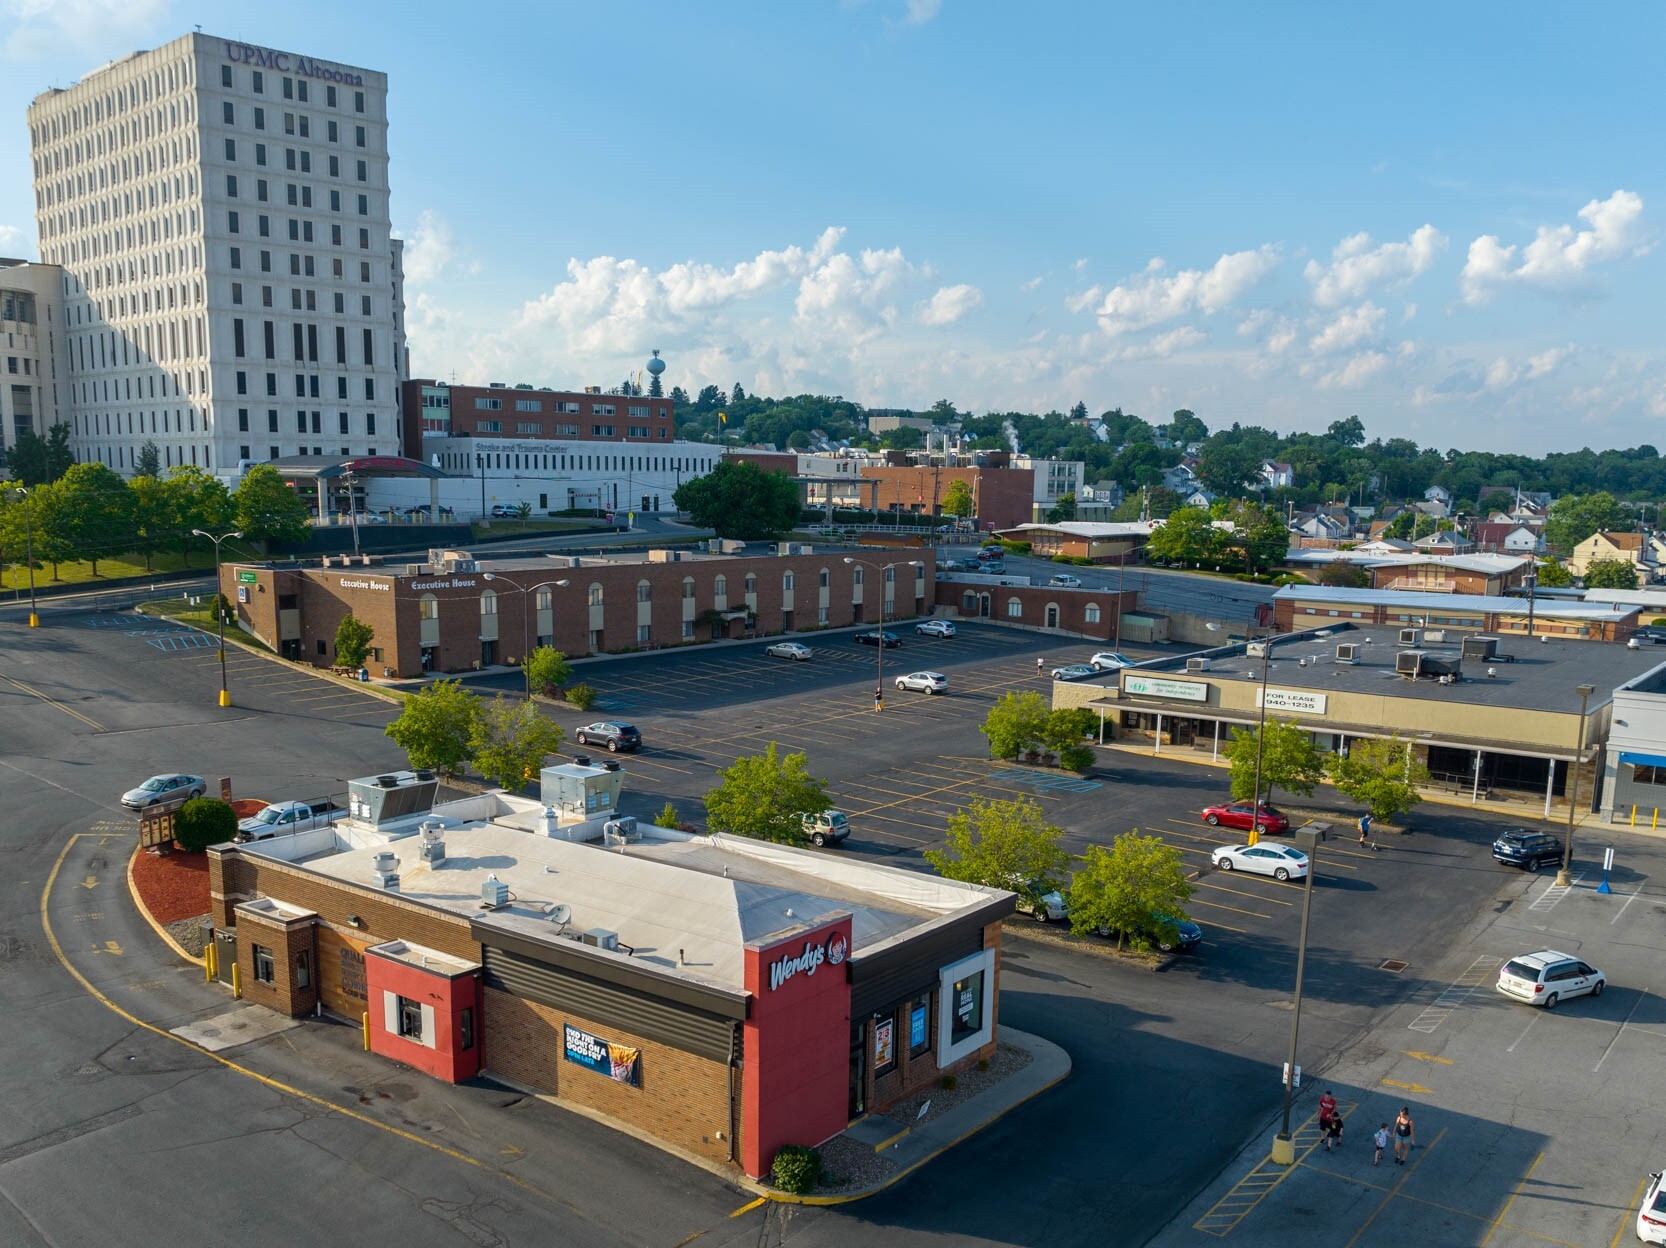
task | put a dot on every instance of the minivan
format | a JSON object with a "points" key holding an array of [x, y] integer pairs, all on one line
{"points": [[1546, 977]]}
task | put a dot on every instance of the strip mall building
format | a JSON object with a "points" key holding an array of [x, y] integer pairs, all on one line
{"points": [[724, 995]]}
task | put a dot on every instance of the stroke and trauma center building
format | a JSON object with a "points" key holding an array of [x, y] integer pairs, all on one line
{"points": [[723, 994]]}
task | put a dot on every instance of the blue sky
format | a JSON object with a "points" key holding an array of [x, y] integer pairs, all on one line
{"points": [[1443, 218]]}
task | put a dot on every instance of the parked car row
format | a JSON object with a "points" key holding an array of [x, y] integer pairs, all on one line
{"points": [[1169, 932]]}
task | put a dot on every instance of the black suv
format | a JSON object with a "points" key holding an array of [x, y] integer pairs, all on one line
{"points": [[1651, 635], [611, 733], [889, 640], [1527, 849]]}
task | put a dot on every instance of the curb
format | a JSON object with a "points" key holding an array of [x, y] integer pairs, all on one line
{"points": [[144, 913]]}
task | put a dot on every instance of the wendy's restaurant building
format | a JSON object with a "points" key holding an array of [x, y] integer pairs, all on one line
{"points": [[725, 995]]}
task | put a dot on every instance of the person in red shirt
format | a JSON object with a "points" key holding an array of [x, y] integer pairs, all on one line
{"points": [[1327, 1110]]}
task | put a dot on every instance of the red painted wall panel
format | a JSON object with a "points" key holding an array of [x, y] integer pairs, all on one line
{"points": [[448, 996]]}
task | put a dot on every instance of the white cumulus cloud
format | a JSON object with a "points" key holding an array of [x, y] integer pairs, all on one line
{"points": [[1351, 328], [919, 12], [949, 305], [1356, 372], [1085, 299], [1161, 297], [1560, 258], [430, 249], [40, 28], [1031, 284], [10, 237], [1357, 267], [693, 287]]}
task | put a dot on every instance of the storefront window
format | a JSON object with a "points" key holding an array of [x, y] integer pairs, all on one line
{"points": [[968, 1008], [919, 1025]]}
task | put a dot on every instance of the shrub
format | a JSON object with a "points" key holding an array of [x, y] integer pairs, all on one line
{"points": [[204, 821], [582, 696], [796, 1169], [983, 1063], [949, 1083], [1077, 758], [668, 816]]}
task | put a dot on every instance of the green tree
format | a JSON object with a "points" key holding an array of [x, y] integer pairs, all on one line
{"points": [[97, 512], [1574, 517], [1381, 775], [740, 500], [1002, 843], [1552, 575], [957, 500], [1064, 509], [764, 795], [903, 438], [1259, 535], [1137, 889], [1185, 427], [204, 821], [943, 412], [1610, 574], [27, 458], [546, 670], [153, 516], [59, 457], [268, 510], [1343, 575], [40, 514], [1290, 760], [148, 463], [353, 638], [1227, 465], [197, 500], [668, 816], [509, 740], [1188, 535], [1016, 722], [436, 727]]}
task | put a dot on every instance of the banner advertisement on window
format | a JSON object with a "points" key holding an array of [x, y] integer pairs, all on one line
{"points": [[616, 1061]]}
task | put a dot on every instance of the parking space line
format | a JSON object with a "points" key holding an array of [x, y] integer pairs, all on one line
{"points": [[1240, 1200], [1220, 905], [1615, 1039], [1516, 1191], [1454, 995], [1405, 1174], [53, 702], [1626, 1216], [1554, 893]]}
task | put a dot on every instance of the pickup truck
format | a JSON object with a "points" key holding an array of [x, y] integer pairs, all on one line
{"points": [[286, 819]]}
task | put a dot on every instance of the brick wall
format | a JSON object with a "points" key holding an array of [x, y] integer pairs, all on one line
{"points": [[683, 1099], [1004, 496], [288, 943], [1070, 606]]}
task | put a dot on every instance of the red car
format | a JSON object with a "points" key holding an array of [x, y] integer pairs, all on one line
{"points": [[1241, 815]]}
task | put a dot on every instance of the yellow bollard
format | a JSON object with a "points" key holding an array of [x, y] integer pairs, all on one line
{"points": [[1655, 822], [210, 962], [237, 981], [364, 1022], [1634, 814], [1254, 837]]}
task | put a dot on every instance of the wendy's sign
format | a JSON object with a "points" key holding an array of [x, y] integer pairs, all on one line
{"points": [[831, 951]]}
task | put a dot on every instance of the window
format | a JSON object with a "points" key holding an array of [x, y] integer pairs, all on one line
{"points": [[260, 153], [967, 1018], [1641, 774], [822, 578], [260, 83], [884, 1044], [265, 968], [529, 426], [601, 431], [243, 422], [488, 602], [919, 1025], [544, 599], [529, 405], [787, 582], [429, 607], [410, 1012], [688, 588], [1015, 609], [488, 405], [260, 119], [644, 634], [644, 592], [303, 969], [225, 81], [231, 185], [228, 114], [465, 1018], [358, 136], [488, 426], [236, 257], [329, 96], [595, 597], [364, 205], [1090, 613]]}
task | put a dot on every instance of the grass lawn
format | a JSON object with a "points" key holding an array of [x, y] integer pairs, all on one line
{"points": [[201, 617], [15, 575], [528, 528]]}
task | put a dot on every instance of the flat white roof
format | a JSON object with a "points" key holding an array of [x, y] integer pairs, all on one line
{"points": [[1437, 603], [687, 905]]}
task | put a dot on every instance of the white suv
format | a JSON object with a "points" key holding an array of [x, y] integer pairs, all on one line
{"points": [[1546, 977], [935, 628], [1110, 660]]}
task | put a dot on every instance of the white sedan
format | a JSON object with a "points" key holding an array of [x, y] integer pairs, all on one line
{"points": [[1651, 1214], [924, 682], [1279, 861], [935, 628], [1066, 581], [795, 650]]}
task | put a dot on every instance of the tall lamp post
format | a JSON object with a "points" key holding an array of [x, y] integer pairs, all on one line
{"points": [[879, 689], [219, 611], [29, 552], [1261, 738], [1284, 1148], [526, 633], [1565, 874]]}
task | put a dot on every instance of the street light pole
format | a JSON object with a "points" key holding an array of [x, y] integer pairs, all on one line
{"points": [[29, 552], [1260, 741], [1284, 1149], [1565, 874], [526, 628], [219, 609], [879, 689]]}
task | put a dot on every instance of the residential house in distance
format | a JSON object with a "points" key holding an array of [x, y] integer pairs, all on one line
{"points": [[1317, 530], [1632, 548], [1180, 478], [1440, 495], [1506, 537], [1198, 497], [1276, 476], [1445, 542], [1098, 502]]}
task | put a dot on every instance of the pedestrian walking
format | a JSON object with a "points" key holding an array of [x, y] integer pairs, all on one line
{"points": [[1381, 1141], [1040, 663], [1327, 1110], [1405, 1135], [1364, 827], [1333, 1133], [879, 698]]}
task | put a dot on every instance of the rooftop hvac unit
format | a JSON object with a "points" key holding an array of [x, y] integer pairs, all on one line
{"points": [[622, 829], [1484, 648], [385, 867], [1409, 662], [1434, 636], [601, 938], [1256, 649], [1347, 652], [433, 843], [494, 893], [1411, 636], [1197, 665]]}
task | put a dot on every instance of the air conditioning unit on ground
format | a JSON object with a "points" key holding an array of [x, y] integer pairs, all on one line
{"points": [[1347, 652]]}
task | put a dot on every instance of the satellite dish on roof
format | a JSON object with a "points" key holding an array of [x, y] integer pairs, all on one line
{"points": [[558, 912]]}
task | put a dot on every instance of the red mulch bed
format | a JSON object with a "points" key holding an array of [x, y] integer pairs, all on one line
{"points": [[174, 886]]}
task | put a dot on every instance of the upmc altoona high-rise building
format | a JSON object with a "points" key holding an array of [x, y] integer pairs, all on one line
{"points": [[232, 289]]}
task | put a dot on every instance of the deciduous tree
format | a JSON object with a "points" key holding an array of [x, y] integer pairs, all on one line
{"points": [[764, 796], [268, 510], [436, 727], [510, 739], [1188, 535], [1381, 775], [1015, 722], [1137, 889], [957, 499], [1289, 761], [547, 670], [1610, 574], [740, 500], [1574, 517], [353, 638], [96, 510], [1003, 843]]}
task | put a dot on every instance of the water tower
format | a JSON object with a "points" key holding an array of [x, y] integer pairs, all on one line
{"points": [[656, 366]]}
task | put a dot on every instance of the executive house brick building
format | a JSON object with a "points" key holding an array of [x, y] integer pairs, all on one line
{"points": [[454, 613], [721, 994]]}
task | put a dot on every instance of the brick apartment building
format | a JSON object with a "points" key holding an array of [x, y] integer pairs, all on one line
{"points": [[454, 613], [435, 409]]}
